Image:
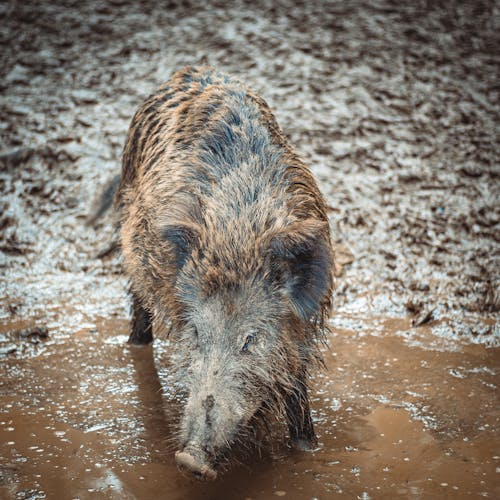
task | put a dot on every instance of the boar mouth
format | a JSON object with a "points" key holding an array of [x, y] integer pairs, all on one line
{"points": [[195, 460]]}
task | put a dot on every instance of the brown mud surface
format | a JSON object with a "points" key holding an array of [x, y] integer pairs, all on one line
{"points": [[396, 109]]}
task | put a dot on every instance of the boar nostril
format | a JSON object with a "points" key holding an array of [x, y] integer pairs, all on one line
{"points": [[209, 402]]}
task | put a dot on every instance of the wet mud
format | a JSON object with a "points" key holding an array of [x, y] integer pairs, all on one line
{"points": [[395, 107], [95, 417]]}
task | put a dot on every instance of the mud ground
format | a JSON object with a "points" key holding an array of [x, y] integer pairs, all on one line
{"points": [[395, 106]]}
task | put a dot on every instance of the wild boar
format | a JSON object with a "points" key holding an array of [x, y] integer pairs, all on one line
{"points": [[224, 234]]}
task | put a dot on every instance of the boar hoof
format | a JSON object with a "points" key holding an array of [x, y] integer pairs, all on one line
{"points": [[304, 444], [186, 461]]}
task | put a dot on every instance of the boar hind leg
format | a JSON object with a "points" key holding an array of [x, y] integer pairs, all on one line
{"points": [[299, 419], [142, 326]]}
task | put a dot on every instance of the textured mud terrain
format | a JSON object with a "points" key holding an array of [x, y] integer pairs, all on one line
{"points": [[395, 106]]}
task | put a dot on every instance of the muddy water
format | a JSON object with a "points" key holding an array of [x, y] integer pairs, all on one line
{"points": [[91, 417]]}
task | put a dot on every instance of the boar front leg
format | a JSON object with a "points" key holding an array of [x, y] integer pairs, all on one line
{"points": [[142, 326], [299, 419]]}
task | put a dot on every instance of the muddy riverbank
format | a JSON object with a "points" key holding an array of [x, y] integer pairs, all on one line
{"points": [[395, 107]]}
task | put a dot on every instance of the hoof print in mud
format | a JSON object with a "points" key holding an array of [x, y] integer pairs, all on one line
{"points": [[225, 236]]}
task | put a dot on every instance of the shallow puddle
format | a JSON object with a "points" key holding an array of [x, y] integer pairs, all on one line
{"points": [[90, 416]]}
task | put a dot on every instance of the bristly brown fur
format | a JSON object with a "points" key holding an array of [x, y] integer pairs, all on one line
{"points": [[215, 203], [162, 167]]}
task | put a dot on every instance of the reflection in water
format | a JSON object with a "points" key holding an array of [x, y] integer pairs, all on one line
{"points": [[158, 419]]}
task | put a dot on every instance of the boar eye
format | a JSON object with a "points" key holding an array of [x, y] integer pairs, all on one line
{"points": [[248, 342]]}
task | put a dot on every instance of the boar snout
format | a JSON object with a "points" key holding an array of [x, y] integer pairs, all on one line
{"points": [[195, 461]]}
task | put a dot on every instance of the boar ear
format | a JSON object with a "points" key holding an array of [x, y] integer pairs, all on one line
{"points": [[304, 249], [182, 238]]}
